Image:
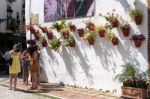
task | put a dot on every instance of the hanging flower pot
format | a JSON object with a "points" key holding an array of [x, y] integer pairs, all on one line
{"points": [[70, 42], [138, 39], [72, 28], [65, 32], [50, 35], [91, 41], [115, 41], [138, 20], [115, 23], [137, 43], [81, 32], [90, 26], [44, 43], [137, 15], [102, 33], [90, 37], [125, 27]]}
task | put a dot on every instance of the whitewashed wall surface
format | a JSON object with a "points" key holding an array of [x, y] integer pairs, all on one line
{"points": [[93, 66]]}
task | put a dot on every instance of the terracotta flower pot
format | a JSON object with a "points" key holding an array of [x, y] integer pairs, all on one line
{"points": [[115, 23], [49, 35], [66, 35], [137, 43], [91, 27], [73, 44], [115, 41], [91, 41], [44, 43], [102, 33], [126, 32], [138, 20], [81, 32], [72, 28]]}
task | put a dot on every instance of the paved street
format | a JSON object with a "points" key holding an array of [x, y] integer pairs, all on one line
{"points": [[20, 94]]}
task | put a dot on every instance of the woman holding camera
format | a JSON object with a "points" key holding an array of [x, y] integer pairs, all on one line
{"points": [[14, 67]]}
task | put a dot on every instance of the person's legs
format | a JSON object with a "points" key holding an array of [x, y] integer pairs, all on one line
{"points": [[11, 78], [15, 80]]}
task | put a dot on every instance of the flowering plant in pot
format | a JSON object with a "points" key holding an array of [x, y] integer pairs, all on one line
{"points": [[48, 32], [138, 16], [81, 32], [125, 27], [90, 37], [112, 37], [70, 42], [101, 30], [55, 44], [138, 38], [90, 26], [72, 27], [112, 18], [65, 32], [134, 81], [58, 25]]}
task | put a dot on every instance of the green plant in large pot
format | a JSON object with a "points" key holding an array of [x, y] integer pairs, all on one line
{"points": [[55, 43], [138, 38], [134, 82], [90, 37], [138, 16], [70, 42]]}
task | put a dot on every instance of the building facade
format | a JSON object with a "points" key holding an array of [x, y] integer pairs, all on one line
{"points": [[93, 66]]}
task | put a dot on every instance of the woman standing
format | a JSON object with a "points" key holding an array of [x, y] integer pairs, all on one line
{"points": [[34, 62], [15, 67]]}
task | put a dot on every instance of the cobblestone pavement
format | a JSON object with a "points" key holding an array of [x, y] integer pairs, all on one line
{"points": [[10, 94]]}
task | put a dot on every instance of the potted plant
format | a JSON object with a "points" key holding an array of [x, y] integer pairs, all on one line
{"points": [[112, 37], [138, 16], [55, 44], [90, 37], [101, 30], [138, 38], [48, 32], [125, 27], [70, 42], [90, 26], [65, 32], [72, 27], [58, 25], [44, 43], [81, 32], [134, 82], [112, 18]]}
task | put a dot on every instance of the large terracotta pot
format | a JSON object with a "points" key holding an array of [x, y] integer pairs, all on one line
{"points": [[126, 32], [138, 20], [81, 32], [133, 93], [137, 43]]}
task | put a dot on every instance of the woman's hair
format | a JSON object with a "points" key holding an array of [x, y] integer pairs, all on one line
{"points": [[16, 48], [31, 50]]}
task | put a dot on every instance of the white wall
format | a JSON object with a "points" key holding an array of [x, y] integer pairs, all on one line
{"points": [[94, 66], [16, 7]]}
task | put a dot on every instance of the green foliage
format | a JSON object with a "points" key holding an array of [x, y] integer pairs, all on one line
{"points": [[55, 44], [136, 12], [70, 41], [132, 77], [90, 36], [99, 28]]}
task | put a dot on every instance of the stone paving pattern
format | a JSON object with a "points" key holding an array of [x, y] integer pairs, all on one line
{"points": [[55, 90]]}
